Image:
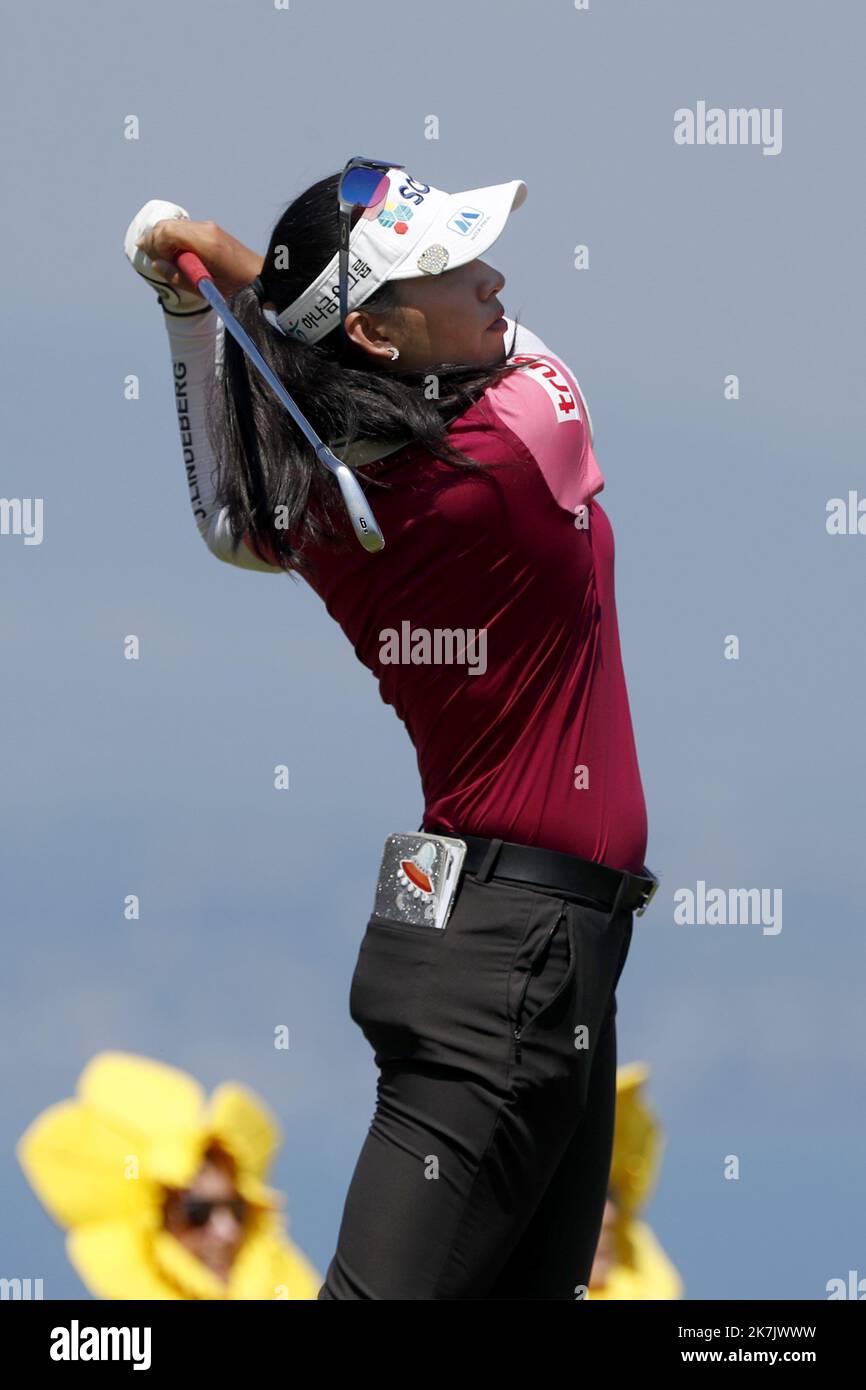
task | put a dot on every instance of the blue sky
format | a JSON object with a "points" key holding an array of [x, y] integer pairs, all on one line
{"points": [[155, 777]]}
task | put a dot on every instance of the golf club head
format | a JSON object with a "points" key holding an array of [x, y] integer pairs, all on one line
{"points": [[364, 523]]}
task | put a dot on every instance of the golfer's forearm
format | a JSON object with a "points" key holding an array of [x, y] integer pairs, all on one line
{"points": [[196, 348]]}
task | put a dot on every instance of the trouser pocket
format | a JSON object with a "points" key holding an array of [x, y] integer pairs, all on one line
{"points": [[541, 975], [391, 985]]}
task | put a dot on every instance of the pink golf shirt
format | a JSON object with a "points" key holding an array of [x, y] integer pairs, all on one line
{"points": [[489, 621]]}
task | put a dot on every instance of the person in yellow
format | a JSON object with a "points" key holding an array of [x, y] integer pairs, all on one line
{"points": [[161, 1190], [629, 1261]]}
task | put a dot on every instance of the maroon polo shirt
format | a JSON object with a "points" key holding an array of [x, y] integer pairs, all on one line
{"points": [[523, 732]]}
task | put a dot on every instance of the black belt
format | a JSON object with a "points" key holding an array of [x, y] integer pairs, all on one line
{"points": [[551, 869]]}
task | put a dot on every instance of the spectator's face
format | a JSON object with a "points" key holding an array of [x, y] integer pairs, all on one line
{"points": [[213, 1233]]}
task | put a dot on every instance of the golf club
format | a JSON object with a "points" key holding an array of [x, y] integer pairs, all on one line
{"points": [[363, 521]]}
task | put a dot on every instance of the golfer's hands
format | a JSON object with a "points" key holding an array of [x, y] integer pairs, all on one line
{"points": [[156, 235]]}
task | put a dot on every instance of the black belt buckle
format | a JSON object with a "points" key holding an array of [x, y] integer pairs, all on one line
{"points": [[648, 897]]}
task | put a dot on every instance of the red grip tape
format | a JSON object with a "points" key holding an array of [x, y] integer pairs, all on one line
{"points": [[193, 268]]}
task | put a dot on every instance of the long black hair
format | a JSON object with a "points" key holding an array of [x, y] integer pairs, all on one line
{"points": [[266, 469]]}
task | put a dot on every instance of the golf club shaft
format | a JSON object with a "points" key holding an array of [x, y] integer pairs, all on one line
{"points": [[363, 521]]}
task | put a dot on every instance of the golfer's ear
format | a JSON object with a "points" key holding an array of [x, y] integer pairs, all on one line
{"points": [[365, 333]]}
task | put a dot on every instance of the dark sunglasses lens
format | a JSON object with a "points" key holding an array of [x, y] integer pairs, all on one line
{"points": [[197, 1212], [364, 187]]}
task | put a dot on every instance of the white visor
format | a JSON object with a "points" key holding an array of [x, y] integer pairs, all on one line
{"points": [[416, 230]]}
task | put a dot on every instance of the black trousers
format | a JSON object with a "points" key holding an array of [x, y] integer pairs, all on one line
{"points": [[484, 1172]]}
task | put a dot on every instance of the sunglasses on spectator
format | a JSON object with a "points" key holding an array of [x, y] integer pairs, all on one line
{"points": [[197, 1211]]}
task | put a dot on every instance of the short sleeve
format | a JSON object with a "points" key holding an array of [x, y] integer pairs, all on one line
{"points": [[543, 405]]}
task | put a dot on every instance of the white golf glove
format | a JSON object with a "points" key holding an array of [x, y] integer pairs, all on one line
{"points": [[175, 300]]}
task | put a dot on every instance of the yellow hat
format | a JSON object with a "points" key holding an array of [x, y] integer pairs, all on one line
{"points": [[638, 1143], [641, 1268], [101, 1163]]}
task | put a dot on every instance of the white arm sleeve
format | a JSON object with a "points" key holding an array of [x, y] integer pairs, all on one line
{"points": [[196, 342]]}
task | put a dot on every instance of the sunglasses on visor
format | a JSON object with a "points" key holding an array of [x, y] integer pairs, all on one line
{"points": [[364, 183]]}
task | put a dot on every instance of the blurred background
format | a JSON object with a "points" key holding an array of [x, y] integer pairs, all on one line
{"points": [[155, 777]]}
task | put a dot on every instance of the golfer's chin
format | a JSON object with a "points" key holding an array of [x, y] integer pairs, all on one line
{"points": [[491, 349]]}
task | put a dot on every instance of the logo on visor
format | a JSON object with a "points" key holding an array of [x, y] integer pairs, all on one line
{"points": [[466, 221], [396, 216], [434, 260]]}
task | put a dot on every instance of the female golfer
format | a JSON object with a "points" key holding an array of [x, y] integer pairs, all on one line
{"points": [[489, 621]]}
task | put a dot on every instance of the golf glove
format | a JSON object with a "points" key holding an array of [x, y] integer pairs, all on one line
{"points": [[176, 301]]}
